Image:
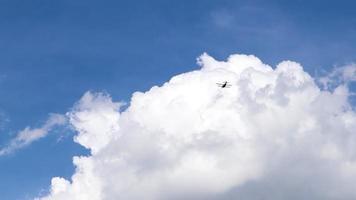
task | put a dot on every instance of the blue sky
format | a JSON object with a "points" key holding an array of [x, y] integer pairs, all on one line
{"points": [[54, 51]]}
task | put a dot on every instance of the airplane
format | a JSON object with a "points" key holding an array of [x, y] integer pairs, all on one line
{"points": [[224, 85]]}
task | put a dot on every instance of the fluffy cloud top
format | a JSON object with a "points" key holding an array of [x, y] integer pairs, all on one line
{"points": [[273, 135]]}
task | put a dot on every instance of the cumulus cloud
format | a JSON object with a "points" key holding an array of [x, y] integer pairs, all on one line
{"points": [[273, 135], [29, 135]]}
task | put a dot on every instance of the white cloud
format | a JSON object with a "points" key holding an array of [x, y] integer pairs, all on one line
{"points": [[273, 135], [29, 135], [96, 117], [340, 75]]}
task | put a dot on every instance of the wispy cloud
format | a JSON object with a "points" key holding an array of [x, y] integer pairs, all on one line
{"points": [[3, 119], [29, 135], [340, 75]]}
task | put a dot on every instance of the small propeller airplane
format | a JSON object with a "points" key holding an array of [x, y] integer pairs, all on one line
{"points": [[224, 85]]}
